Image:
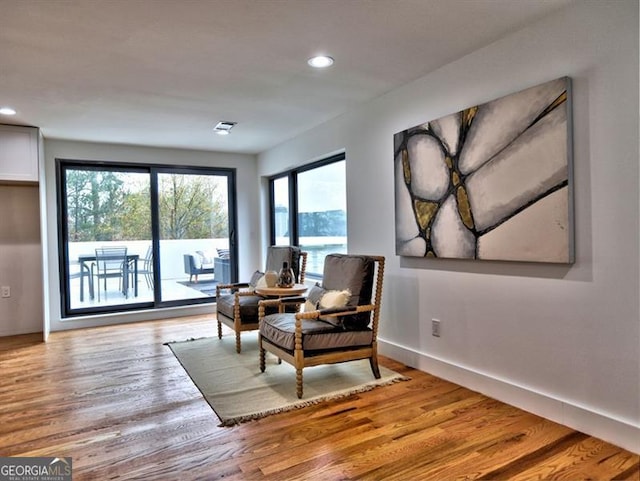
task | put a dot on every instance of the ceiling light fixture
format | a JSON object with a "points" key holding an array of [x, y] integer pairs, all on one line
{"points": [[320, 61], [7, 111], [224, 127]]}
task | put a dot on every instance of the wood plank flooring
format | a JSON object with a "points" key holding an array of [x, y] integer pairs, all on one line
{"points": [[117, 401]]}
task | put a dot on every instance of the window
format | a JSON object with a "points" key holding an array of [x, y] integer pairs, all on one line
{"points": [[309, 208], [280, 211], [134, 237]]}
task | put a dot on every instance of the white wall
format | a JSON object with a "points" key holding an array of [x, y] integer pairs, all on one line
{"points": [[249, 254], [20, 260], [562, 341]]}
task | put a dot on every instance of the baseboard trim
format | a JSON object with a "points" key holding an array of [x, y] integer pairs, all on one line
{"points": [[20, 332], [616, 431], [115, 318]]}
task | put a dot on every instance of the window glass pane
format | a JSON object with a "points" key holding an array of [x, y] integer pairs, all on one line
{"points": [[194, 230], [108, 215], [322, 213], [281, 211]]}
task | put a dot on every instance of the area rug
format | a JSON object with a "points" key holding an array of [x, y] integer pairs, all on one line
{"points": [[207, 287], [237, 391]]}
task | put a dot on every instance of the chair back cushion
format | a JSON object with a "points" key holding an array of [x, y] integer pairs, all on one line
{"points": [[277, 255], [355, 273]]}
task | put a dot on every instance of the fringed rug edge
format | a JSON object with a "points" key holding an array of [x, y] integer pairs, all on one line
{"points": [[234, 421]]}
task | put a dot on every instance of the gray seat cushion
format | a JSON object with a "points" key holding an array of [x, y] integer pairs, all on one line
{"points": [[318, 335], [248, 307]]}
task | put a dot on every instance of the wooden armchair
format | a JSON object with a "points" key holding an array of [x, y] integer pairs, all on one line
{"points": [[237, 303], [328, 334]]}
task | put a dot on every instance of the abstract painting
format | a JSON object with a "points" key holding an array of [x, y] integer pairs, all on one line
{"points": [[490, 182]]}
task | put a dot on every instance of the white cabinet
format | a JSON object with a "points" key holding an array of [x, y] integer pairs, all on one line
{"points": [[18, 153]]}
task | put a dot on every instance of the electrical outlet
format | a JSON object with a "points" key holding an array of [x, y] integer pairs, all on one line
{"points": [[6, 291], [435, 327]]}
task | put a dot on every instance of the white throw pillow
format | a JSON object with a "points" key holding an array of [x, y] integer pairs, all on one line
{"points": [[333, 299], [255, 278], [206, 258], [309, 306]]}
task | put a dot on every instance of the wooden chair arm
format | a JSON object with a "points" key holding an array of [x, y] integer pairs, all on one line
{"points": [[293, 300], [231, 287], [235, 285], [264, 303], [282, 301], [336, 311], [245, 293], [331, 311], [269, 302]]}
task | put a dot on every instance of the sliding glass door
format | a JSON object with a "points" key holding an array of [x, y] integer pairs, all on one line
{"points": [[194, 227], [134, 237]]}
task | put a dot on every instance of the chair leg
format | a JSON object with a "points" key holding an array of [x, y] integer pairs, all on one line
{"points": [[373, 360], [123, 283], [299, 382], [237, 325], [238, 342], [262, 355], [298, 360], [96, 283], [219, 330]]}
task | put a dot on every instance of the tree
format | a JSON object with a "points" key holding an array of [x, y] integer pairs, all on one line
{"points": [[323, 224], [116, 206], [92, 197], [136, 215], [191, 207]]}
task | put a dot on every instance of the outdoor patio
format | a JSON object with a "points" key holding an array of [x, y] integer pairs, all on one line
{"points": [[175, 283], [172, 289]]}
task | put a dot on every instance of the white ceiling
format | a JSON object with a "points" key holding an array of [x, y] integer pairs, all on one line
{"points": [[164, 72]]}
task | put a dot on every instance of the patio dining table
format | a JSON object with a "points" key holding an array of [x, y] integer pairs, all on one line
{"points": [[86, 259]]}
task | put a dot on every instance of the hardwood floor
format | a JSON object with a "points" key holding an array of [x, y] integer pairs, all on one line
{"points": [[117, 401]]}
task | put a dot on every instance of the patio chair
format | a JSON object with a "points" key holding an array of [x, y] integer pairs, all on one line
{"points": [[237, 303], [111, 262], [147, 267], [81, 272], [195, 269], [339, 323]]}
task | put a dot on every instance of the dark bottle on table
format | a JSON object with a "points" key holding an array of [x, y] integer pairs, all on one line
{"points": [[285, 278]]}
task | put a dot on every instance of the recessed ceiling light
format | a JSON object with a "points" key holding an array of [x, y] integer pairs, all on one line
{"points": [[7, 111], [321, 61], [224, 127]]}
